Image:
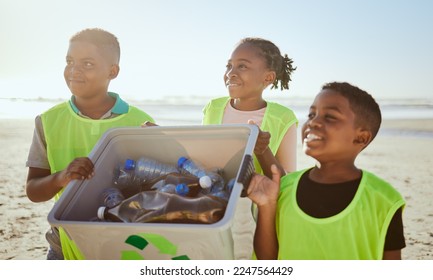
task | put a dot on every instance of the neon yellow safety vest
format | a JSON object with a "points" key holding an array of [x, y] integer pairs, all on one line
{"points": [[356, 233], [69, 136], [277, 120]]}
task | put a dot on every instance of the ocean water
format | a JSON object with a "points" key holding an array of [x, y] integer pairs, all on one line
{"points": [[188, 111]]}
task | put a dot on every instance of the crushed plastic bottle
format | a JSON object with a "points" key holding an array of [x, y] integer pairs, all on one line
{"points": [[159, 207]]}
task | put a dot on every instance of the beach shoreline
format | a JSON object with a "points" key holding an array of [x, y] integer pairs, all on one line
{"points": [[403, 158]]}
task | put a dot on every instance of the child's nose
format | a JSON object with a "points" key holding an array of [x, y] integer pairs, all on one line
{"points": [[315, 122], [72, 69], [230, 73]]}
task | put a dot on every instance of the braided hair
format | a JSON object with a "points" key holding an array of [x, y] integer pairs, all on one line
{"points": [[282, 65]]}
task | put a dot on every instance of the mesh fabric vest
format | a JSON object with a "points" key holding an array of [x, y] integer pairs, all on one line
{"points": [[277, 120], [356, 233], [69, 136]]}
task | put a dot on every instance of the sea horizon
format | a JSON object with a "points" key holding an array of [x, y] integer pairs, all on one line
{"points": [[189, 108]]}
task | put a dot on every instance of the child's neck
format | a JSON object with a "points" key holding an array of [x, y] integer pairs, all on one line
{"points": [[94, 107], [248, 104], [330, 173]]}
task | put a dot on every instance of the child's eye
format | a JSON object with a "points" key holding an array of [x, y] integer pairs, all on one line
{"points": [[330, 117], [69, 62], [242, 66], [310, 115], [88, 64]]}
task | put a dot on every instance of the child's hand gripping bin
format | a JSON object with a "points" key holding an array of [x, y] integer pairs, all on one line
{"points": [[226, 147]]}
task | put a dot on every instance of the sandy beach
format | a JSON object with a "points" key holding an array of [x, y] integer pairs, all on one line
{"points": [[402, 159]]}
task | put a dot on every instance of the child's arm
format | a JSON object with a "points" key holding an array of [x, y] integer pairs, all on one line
{"points": [[42, 185], [286, 154], [392, 255], [264, 192], [264, 154]]}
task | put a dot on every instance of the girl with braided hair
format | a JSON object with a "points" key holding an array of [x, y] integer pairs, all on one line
{"points": [[254, 65]]}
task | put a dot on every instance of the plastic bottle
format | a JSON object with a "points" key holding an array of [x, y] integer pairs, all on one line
{"points": [[191, 181], [230, 184], [208, 179], [149, 169], [111, 197], [222, 194], [162, 186], [124, 175], [158, 207], [144, 171]]}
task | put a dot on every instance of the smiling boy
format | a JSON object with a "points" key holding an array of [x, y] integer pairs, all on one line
{"points": [[333, 210], [65, 134]]}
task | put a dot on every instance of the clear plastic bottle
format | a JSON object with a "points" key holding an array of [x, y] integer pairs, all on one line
{"points": [[191, 181], [124, 175], [230, 184], [148, 169], [208, 178], [162, 186], [222, 194], [144, 171], [111, 197]]}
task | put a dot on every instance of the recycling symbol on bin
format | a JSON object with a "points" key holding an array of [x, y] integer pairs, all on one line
{"points": [[142, 240]]}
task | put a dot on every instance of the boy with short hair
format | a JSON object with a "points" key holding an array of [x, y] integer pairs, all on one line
{"points": [[333, 210], [65, 134]]}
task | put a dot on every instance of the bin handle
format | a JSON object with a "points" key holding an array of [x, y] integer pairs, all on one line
{"points": [[246, 173]]}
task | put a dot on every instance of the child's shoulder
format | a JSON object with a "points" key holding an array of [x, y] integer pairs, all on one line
{"points": [[292, 178], [371, 178], [219, 100], [57, 107], [140, 113], [376, 184], [217, 103], [280, 109]]}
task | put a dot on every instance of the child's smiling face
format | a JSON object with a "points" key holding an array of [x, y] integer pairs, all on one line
{"points": [[88, 71], [330, 133], [246, 75]]}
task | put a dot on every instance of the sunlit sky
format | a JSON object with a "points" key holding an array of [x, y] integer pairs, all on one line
{"points": [[181, 47]]}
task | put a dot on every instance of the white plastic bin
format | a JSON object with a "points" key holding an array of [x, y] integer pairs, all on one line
{"points": [[224, 146]]}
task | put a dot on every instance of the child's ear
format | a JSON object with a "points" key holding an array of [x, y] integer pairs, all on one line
{"points": [[114, 71], [363, 137], [270, 77]]}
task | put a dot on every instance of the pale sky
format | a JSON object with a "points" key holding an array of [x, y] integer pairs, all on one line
{"points": [[181, 47]]}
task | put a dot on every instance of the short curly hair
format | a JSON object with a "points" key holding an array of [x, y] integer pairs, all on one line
{"points": [[100, 38], [366, 109]]}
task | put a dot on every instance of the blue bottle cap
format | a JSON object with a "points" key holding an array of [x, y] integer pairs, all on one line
{"points": [[181, 161], [129, 164], [182, 189]]}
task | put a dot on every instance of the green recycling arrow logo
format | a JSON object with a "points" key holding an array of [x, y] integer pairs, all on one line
{"points": [[140, 241]]}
